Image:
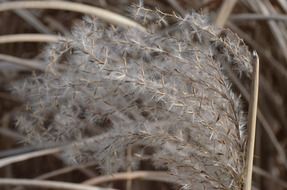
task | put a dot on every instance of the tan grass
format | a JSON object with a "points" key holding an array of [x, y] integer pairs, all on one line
{"points": [[225, 12], [47, 184], [17, 38], [75, 7], [145, 175], [252, 113]]}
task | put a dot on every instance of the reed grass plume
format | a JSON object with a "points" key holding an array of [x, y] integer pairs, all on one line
{"points": [[165, 93]]}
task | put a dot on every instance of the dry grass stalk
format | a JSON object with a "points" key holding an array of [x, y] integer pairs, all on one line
{"points": [[144, 175], [18, 38], [22, 157], [269, 176], [252, 113], [274, 27], [48, 184], [22, 62], [33, 21], [70, 6], [27, 63], [252, 16], [225, 12], [63, 170]]}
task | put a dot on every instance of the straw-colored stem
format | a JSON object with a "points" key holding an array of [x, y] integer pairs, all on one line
{"points": [[47, 184], [252, 112], [252, 17], [70, 6], [225, 12], [26, 156], [15, 38], [145, 175]]}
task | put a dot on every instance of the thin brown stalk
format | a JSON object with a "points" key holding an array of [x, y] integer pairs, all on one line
{"points": [[31, 64], [6, 131], [47, 184], [270, 177], [16, 151], [177, 7], [129, 182], [224, 12], [274, 27], [26, 156], [63, 171], [252, 113], [75, 7], [37, 65], [251, 16], [146, 175], [57, 25], [33, 21]]}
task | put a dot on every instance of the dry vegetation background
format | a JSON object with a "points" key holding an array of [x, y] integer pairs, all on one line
{"points": [[261, 23]]}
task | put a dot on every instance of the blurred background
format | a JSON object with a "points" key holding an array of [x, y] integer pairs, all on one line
{"points": [[262, 24]]}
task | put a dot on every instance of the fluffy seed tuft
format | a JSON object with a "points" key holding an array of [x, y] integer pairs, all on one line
{"points": [[165, 91]]}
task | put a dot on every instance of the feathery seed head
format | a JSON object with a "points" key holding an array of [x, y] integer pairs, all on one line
{"points": [[166, 91]]}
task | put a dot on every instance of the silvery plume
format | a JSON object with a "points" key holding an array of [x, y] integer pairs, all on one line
{"points": [[163, 93]]}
